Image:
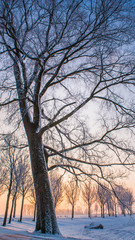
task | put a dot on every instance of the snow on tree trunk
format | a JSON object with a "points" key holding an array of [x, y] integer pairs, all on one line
{"points": [[46, 218]]}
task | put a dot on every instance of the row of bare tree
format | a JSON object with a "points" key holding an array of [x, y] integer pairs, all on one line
{"points": [[99, 195], [15, 176]]}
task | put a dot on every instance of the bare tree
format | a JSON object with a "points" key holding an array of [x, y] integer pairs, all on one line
{"points": [[101, 197], [109, 201], [25, 183], [74, 47], [88, 196], [115, 204], [129, 201], [57, 188], [15, 202], [32, 199], [72, 194], [2, 178], [125, 199], [96, 207], [120, 193], [9, 158], [13, 193], [17, 180]]}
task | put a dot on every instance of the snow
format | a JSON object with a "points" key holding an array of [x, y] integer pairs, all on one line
{"points": [[115, 228]]}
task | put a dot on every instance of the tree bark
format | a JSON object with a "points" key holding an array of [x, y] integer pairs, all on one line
{"points": [[38, 224], [46, 218]]}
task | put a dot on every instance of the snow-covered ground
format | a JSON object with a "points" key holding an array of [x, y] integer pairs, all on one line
{"points": [[115, 228]]}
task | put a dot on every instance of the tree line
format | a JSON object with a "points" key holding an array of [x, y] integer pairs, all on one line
{"points": [[89, 194]]}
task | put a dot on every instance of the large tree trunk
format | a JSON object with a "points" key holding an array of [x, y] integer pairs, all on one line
{"points": [[46, 218]]}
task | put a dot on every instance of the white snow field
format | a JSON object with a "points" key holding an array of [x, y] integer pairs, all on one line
{"points": [[115, 228]]}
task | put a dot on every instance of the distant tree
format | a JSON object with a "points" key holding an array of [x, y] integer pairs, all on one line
{"points": [[3, 175], [25, 183], [72, 194], [14, 194], [109, 202], [125, 199], [57, 188], [88, 195], [120, 193], [2, 178], [17, 178], [115, 204], [9, 157], [15, 203], [101, 198], [129, 200], [96, 208], [32, 199]]}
